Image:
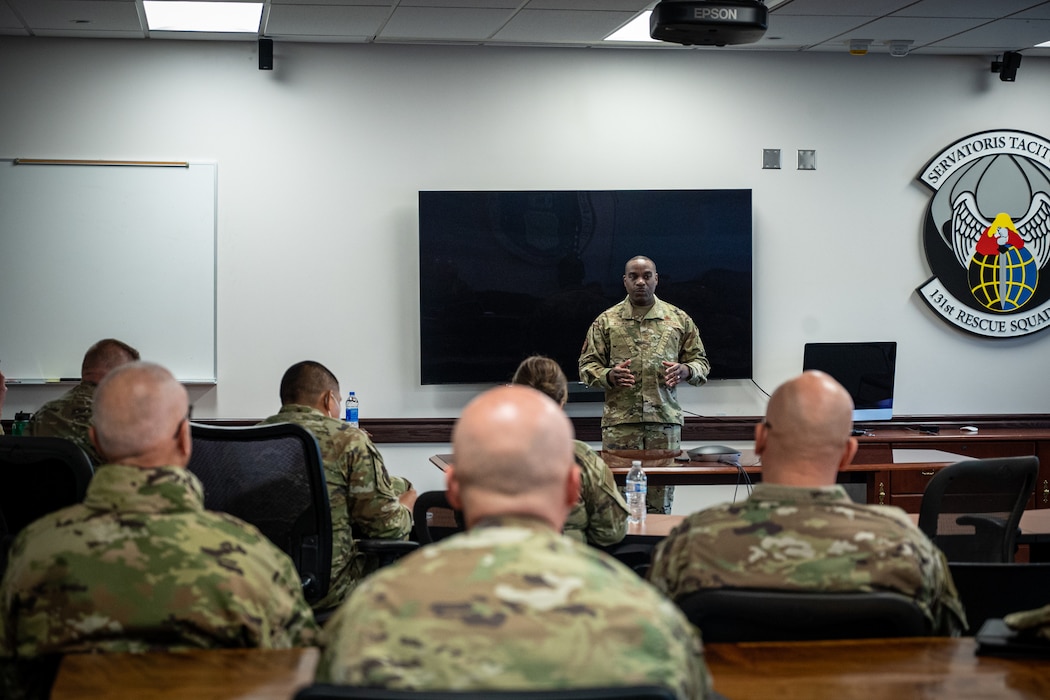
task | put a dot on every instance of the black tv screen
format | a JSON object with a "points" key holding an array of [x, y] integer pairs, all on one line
{"points": [[866, 370], [504, 275]]}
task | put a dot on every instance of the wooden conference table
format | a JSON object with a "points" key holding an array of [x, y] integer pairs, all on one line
{"points": [[937, 667], [1035, 524], [663, 468], [872, 669], [211, 674]]}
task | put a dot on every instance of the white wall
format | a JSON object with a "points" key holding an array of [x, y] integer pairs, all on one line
{"points": [[320, 161]]}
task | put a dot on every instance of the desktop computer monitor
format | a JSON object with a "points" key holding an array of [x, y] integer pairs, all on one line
{"points": [[866, 370]]}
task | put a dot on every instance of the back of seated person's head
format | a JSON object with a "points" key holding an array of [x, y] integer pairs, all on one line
{"points": [[805, 438], [513, 455], [543, 374], [305, 382], [140, 417], [105, 356]]}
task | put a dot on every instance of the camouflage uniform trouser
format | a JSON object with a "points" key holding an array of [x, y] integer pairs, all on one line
{"points": [[646, 436]]}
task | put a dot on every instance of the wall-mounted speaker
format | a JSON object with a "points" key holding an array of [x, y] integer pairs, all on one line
{"points": [[265, 54], [1007, 68]]}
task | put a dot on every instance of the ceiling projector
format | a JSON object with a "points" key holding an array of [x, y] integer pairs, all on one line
{"points": [[709, 22]]}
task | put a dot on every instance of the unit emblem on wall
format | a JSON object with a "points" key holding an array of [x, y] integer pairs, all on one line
{"points": [[987, 234]]}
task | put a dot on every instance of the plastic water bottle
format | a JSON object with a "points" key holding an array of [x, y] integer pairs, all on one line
{"points": [[637, 485], [352, 405]]}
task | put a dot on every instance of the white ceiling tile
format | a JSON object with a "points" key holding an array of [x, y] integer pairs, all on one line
{"points": [[388, 4], [479, 4], [90, 15], [1041, 12], [809, 31], [985, 9], [83, 34], [866, 8], [445, 23], [8, 19], [919, 30], [1011, 34], [327, 20], [634, 6], [561, 26]]}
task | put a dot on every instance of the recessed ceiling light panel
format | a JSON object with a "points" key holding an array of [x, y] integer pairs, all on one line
{"points": [[233, 17]]}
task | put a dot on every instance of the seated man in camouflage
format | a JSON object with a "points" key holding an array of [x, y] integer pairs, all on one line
{"points": [[366, 502], [600, 516], [799, 530], [511, 603], [140, 565], [69, 416]]}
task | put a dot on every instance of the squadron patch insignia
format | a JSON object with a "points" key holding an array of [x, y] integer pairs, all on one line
{"points": [[987, 233]]}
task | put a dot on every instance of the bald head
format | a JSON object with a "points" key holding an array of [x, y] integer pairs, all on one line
{"points": [[805, 438], [139, 417], [105, 356], [513, 454]]}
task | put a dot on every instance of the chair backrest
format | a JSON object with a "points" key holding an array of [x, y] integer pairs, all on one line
{"points": [[745, 615], [991, 590], [971, 509], [322, 691], [434, 519], [635, 555], [272, 477], [39, 475]]}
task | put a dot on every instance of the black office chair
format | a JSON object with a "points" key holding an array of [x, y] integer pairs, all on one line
{"points": [[39, 475], [434, 519], [990, 590], [971, 509], [323, 691], [271, 476], [744, 615], [633, 553]]}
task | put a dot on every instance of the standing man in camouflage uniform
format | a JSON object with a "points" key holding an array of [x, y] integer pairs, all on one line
{"points": [[639, 351], [69, 416], [511, 603], [140, 565], [799, 530], [364, 499], [600, 516]]}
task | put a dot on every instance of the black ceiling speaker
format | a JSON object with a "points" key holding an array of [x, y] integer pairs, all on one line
{"points": [[265, 54], [1007, 68], [709, 22]]}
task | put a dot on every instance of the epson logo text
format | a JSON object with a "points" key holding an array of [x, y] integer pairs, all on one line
{"points": [[724, 13]]}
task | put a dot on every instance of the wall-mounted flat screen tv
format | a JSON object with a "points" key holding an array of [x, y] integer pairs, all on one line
{"points": [[503, 275], [866, 370]]}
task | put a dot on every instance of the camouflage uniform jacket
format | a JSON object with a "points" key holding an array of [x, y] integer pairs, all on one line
{"points": [[68, 416], [666, 333], [510, 604], [141, 566], [362, 496], [793, 538], [1032, 622], [600, 517]]}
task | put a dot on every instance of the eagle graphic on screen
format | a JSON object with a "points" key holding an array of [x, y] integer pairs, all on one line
{"points": [[1002, 260]]}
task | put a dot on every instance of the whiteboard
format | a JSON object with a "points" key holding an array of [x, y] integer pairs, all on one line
{"points": [[107, 251]]}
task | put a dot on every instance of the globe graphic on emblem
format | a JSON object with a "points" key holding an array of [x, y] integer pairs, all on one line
{"points": [[1003, 282]]}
